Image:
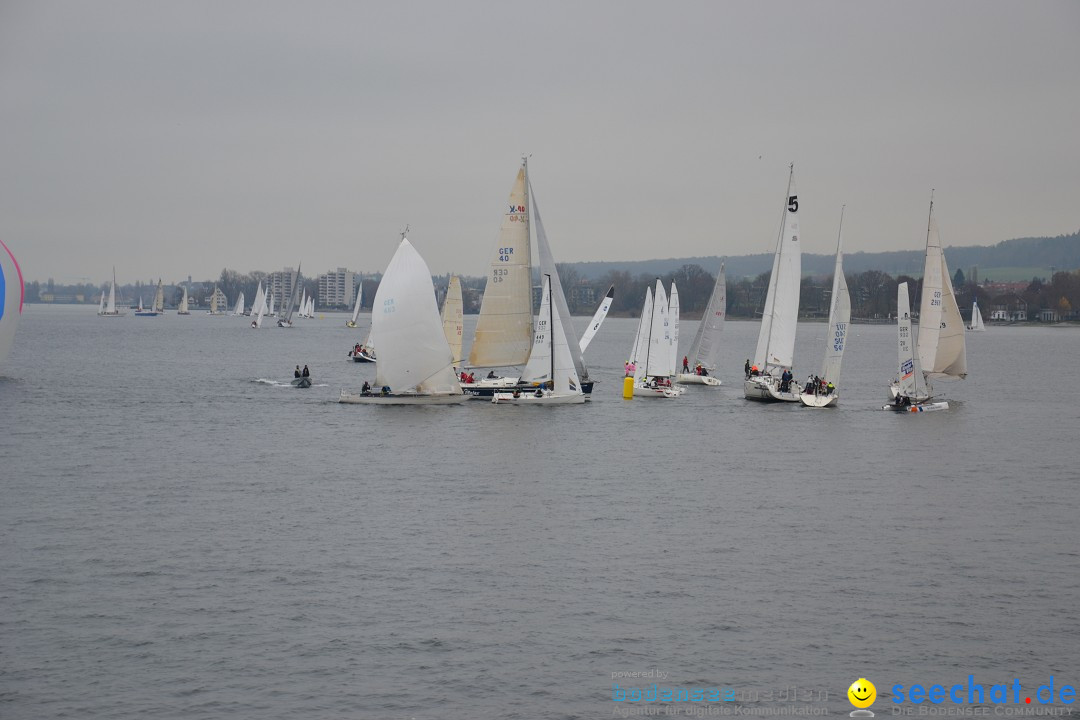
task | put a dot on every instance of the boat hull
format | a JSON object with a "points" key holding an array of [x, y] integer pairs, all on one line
{"points": [[530, 398], [658, 391], [918, 407], [362, 357], [301, 382], [765, 389], [481, 390], [819, 401], [694, 379], [401, 399]]}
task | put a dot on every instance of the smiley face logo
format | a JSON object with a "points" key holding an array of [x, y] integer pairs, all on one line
{"points": [[862, 693]]}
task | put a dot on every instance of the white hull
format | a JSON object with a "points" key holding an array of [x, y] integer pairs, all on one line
{"points": [[361, 357], [694, 379], [401, 399], [819, 401], [527, 398], [284, 324], [482, 383], [658, 391], [918, 407], [767, 390]]}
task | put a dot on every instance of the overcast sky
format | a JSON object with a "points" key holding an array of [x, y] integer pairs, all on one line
{"points": [[177, 138]]}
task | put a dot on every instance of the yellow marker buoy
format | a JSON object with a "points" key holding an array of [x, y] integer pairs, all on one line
{"points": [[628, 387]]}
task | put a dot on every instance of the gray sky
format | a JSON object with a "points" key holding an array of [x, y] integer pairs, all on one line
{"points": [[177, 138]]}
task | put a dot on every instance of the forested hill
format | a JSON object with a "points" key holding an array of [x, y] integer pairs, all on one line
{"points": [[1023, 254]]}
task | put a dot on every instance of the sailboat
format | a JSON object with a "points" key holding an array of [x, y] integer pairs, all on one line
{"points": [[144, 312], [258, 309], [110, 309], [240, 309], [652, 356], [270, 311], [286, 320], [976, 318], [776, 339], [417, 367], [835, 335], [159, 299], [214, 309], [183, 309], [11, 299], [913, 390], [942, 347], [453, 318], [504, 329], [101, 305], [356, 308], [550, 370], [705, 350]]}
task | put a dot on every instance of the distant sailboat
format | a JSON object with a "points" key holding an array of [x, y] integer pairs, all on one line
{"points": [[976, 318], [913, 391], [240, 309], [159, 299], [110, 309], [775, 351], [144, 312], [356, 308], [416, 366], [453, 318], [653, 358], [286, 320], [214, 308], [183, 309], [942, 346], [705, 350], [836, 336], [258, 309]]}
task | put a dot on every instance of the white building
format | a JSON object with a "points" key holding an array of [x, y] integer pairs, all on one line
{"points": [[337, 288]]}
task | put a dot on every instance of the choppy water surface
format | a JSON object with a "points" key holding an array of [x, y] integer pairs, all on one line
{"points": [[179, 539]]}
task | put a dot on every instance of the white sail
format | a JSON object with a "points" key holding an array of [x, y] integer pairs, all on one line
{"points": [[660, 360], [776, 338], [159, 298], [110, 309], [673, 321], [183, 309], [101, 305], [214, 302], [909, 372], [548, 267], [453, 318], [413, 353], [359, 301], [311, 306], [503, 335], [839, 318], [597, 320], [265, 297], [942, 347], [258, 309], [239, 309], [270, 305], [286, 321], [976, 318], [640, 354], [706, 348], [551, 357]]}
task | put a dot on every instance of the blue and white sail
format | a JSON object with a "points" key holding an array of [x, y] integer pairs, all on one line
{"points": [[11, 299]]}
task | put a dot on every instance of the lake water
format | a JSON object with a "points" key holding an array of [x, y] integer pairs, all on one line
{"points": [[179, 539]]}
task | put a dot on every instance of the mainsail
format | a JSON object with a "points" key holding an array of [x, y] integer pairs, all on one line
{"points": [[504, 330], [453, 318], [706, 348], [776, 338], [839, 317], [942, 348]]}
